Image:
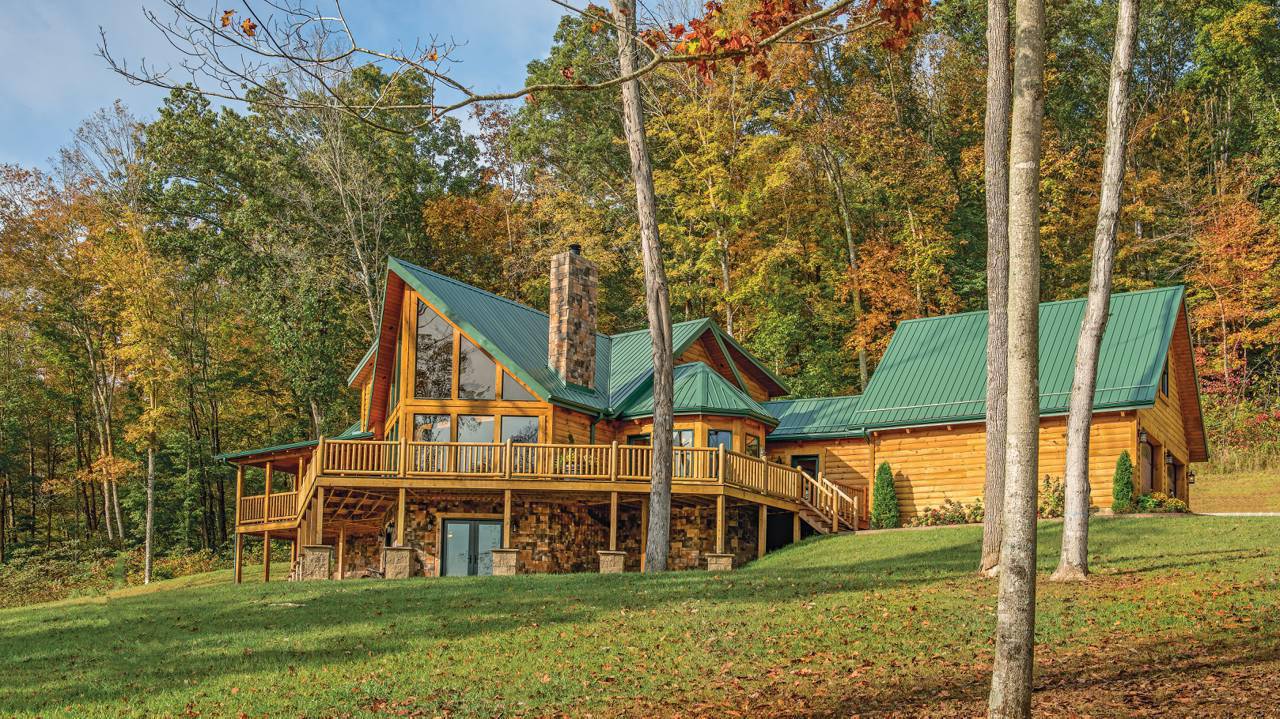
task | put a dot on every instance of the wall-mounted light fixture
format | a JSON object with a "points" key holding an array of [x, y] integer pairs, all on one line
{"points": [[1142, 436]]}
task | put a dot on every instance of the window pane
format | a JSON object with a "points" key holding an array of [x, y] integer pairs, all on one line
{"points": [[720, 438], [520, 430], [434, 376], [682, 438], [514, 391], [476, 372], [638, 440], [475, 428], [753, 445], [431, 428]]}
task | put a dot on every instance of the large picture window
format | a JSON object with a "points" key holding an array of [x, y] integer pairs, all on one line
{"points": [[431, 428], [513, 391], [475, 428], [434, 369], [720, 438], [520, 430], [477, 373]]}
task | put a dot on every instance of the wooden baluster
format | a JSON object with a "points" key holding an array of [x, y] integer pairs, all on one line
{"points": [[835, 508], [508, 457]]}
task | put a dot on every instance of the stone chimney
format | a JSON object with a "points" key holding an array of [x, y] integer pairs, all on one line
{"points": [[571, 338]]}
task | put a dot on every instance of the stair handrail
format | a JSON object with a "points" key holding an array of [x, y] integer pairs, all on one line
{"points": [[840, 507]]}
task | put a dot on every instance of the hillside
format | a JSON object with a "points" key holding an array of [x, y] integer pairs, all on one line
{"points": [[1181, 620]]}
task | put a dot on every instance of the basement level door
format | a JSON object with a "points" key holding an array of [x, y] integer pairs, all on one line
{"points": [[468, 546]]}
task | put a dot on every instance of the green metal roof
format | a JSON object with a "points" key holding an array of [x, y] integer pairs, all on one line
{"points": [[816, 418], [352, 432], [698, 389], [934, 370], [516, 336]]}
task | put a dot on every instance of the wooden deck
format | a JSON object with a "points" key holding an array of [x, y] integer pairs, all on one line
{"points": [[462, 466]]}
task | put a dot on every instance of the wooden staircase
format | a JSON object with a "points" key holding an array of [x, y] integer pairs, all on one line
{"points": [[826, 507]]}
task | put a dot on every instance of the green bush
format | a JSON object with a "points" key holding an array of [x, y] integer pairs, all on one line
{"points": [[1053, 498], [1122, 484], [884, 500], [950, 512], [1159, 502]]}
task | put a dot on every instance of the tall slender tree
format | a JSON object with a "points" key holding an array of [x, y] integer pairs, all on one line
{"points": [[1073, 563], [1016, 607], [996, 160]]}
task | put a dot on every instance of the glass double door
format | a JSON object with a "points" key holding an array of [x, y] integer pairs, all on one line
{"points": [[468, 546]]}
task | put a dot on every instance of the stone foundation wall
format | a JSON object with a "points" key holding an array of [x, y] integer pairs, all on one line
{"points": [[561, 536]]}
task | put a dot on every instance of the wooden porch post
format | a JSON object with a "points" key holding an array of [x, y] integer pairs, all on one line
{"points": [[613, 521], [342, 544], [239, 563], [719, 524], [795, 527], [644, 529], [400, 519], [762, 532], [266, 557], [266, 495], [239, 489], [506, 519]]}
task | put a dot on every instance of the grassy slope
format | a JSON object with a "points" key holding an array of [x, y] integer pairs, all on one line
{"points": [[1238, 492], [879, 624]]}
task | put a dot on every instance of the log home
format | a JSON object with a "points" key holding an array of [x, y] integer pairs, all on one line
{"points": [[495, 438]]}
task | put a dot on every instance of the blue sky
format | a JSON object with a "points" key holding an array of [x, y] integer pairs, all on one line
{"points": [[53, 80]]}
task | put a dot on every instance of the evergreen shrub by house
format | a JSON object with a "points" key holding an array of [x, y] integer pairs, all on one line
{"points": [[884, 500], [1122, 484], [1052, 500]]}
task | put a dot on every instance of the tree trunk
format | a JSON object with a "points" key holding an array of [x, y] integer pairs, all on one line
{"points": [[1073, 564], [115, 505], [151, 497], [657, 299], [3, 526], [996, 143], [106, 507], [1016, 607]]}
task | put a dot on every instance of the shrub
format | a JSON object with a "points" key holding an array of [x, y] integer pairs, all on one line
{"points": [[950, 512], [1159, 502], [884, 500], [1053, 498], [1122, 484]]}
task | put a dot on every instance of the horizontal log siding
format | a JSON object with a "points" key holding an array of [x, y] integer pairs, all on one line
{"points": [[1164, 422], [935, 464], [570, 427]]}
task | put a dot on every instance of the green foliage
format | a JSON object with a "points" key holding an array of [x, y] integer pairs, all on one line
{"points": [[1052, 499], [884, 500], [1157, 502], [949, 512], [1122, 484]]}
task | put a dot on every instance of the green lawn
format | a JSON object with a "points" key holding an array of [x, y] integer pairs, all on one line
{"points": [[1181, 619], [1237, 492]]}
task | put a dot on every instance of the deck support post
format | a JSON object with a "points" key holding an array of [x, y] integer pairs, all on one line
{"points": [[795, 527], [506, 519], [762, 532], [644, 529], [719, 524], [342, 550], [239, 562], [613, 521], [320, 515], [266, 557], [400, 518]]}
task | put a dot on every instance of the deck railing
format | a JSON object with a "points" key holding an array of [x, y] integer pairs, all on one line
{"points": [[591, 462]]}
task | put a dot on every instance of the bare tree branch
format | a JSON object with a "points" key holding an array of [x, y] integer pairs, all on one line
{"points": [[247, 61]]}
